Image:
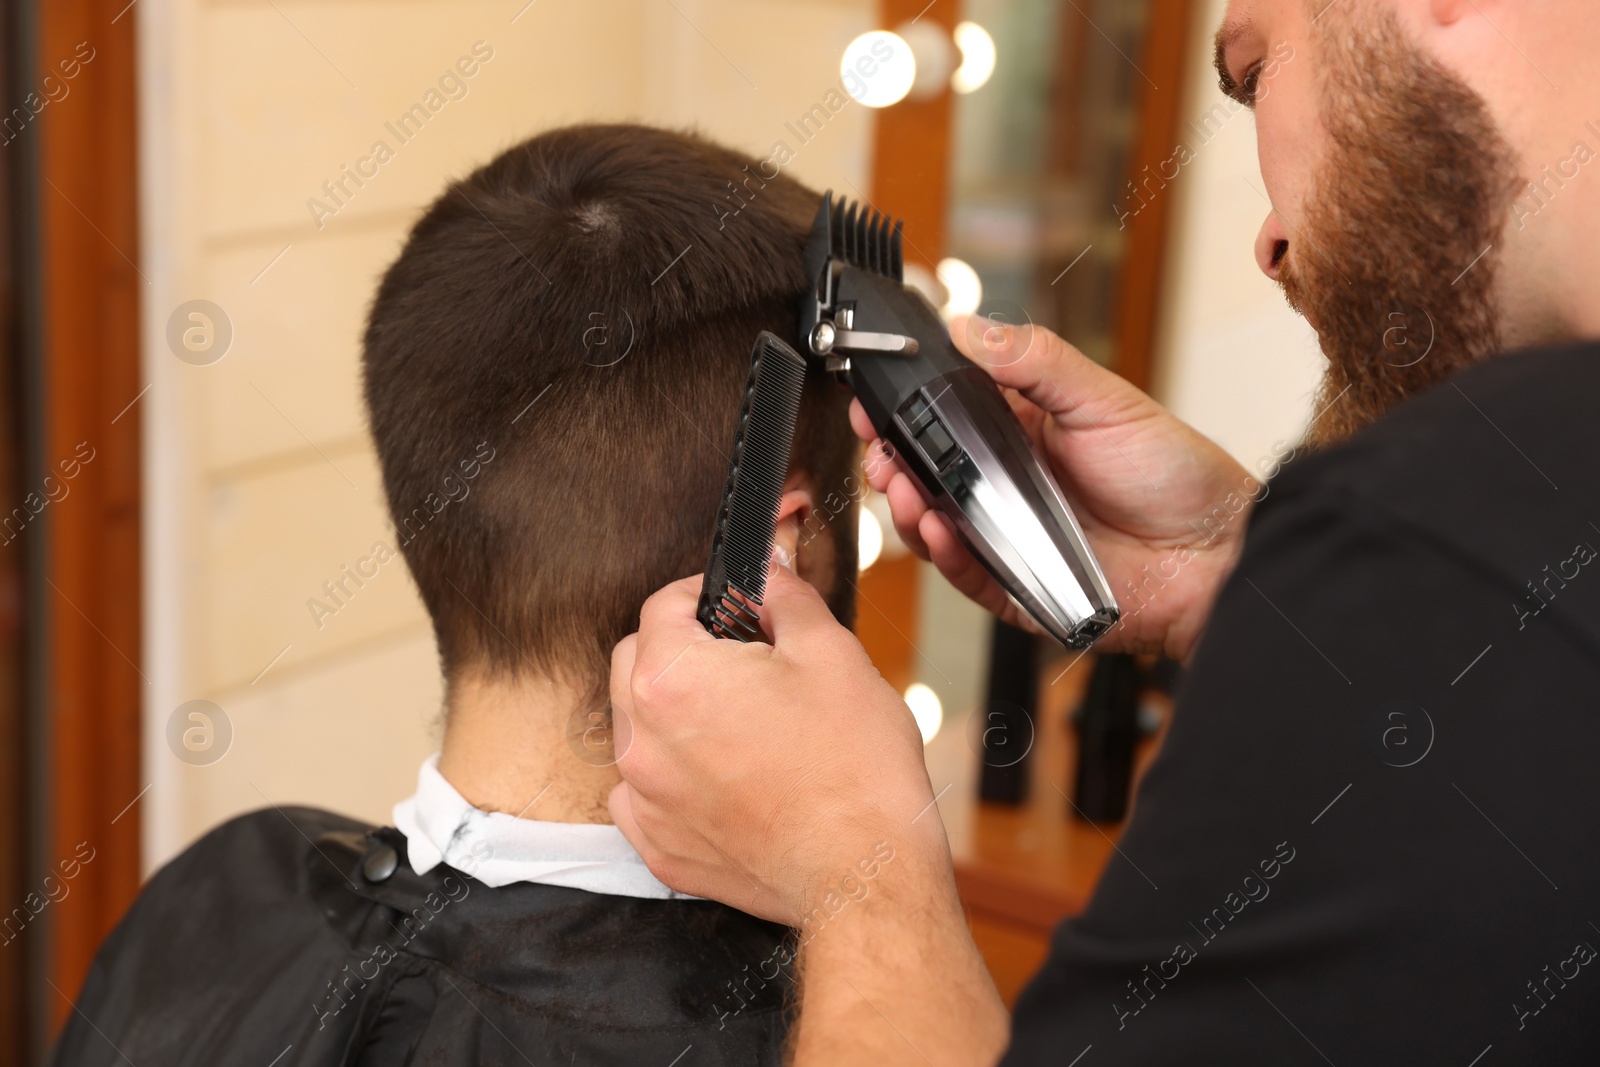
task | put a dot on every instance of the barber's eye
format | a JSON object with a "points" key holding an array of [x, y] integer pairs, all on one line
{"points": [[1247, 84]]}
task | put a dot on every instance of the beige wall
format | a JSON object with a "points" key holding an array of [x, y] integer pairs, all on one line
{"points": [[261, 482]]}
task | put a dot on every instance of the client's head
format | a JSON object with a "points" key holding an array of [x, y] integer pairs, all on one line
{"points": [[553, 370]]}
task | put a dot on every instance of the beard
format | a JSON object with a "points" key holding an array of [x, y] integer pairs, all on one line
{"points": [[1394, 263]]}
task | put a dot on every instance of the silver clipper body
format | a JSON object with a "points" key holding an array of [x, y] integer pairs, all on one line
{"points": [[948, 423]]}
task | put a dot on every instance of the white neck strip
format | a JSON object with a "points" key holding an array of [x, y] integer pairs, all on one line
{"points": [[499, 849]]}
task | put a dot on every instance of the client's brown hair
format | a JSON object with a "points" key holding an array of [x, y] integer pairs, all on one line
{"points": [[553, 368]]}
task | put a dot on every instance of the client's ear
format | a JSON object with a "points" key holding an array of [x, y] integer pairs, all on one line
{"points": [[793, 511], [803, 532]]}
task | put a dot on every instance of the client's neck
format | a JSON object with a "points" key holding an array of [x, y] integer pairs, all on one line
{"points": [[518, 746]]}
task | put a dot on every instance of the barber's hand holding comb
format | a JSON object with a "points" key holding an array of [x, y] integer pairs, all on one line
{"points": [[787, 779]]}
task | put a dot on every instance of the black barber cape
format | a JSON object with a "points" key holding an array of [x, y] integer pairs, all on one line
{"points": [[1372, 835], [304, 936]]}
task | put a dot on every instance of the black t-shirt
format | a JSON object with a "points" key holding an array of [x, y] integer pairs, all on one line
{"points": [[1372, 835]]}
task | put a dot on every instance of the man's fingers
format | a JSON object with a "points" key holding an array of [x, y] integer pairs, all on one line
{"points": [[621, 729], [907, 508], [792, 606], [632, 813], [620, 804], [879, 465], [622, 660], [677, 854], [674, 603], [860, 423], [1027, 412], [1047, 370], [667, 625]]}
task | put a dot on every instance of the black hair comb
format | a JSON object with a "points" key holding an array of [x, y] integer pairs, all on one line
{"points": [[741, 548]]}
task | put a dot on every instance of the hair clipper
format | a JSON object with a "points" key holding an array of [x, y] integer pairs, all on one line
{"points": [[948, 423]]}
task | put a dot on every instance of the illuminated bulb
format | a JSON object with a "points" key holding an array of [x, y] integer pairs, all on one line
{"points": [[869, 544], [926, 709], [977, 57], [961, 282], [878, 68]]}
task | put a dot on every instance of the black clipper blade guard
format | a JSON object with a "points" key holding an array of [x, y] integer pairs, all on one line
{"points": [[741, 548], [948, 423]]}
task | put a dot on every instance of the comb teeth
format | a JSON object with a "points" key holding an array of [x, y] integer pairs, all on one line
{"points": [[741, 548], [734, 618], [866, 238]]}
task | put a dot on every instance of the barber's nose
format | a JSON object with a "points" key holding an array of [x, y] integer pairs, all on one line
{"points": [[1271, 244]]}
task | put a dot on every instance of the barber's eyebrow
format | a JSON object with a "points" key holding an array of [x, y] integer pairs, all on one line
{"points": [[1226, 37]]}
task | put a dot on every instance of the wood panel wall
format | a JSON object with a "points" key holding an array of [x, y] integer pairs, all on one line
{"points": [[14, 739], [88, 603], [1139, 284]]}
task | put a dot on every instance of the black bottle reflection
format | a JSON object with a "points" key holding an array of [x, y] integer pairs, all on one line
{"points": [[1009, 710]]}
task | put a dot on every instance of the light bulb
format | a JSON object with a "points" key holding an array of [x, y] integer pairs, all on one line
{"points": [[926, 708], [977, 57], [878, 68], [869, 543], [961, 283]]}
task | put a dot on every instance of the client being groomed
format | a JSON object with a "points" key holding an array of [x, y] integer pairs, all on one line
{"points": [[566, 333]]}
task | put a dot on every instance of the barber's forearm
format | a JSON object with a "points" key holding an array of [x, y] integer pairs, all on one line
{"points": [[895, 978]]}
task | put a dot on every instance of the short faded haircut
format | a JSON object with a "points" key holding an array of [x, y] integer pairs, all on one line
{"points": [[500, 330]]}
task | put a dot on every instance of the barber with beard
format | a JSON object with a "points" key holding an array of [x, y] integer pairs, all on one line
{"points": [[1370, 834]]}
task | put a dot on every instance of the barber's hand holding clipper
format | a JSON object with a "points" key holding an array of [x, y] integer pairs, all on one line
{"points": [[773, 777], [1140, 481]]}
